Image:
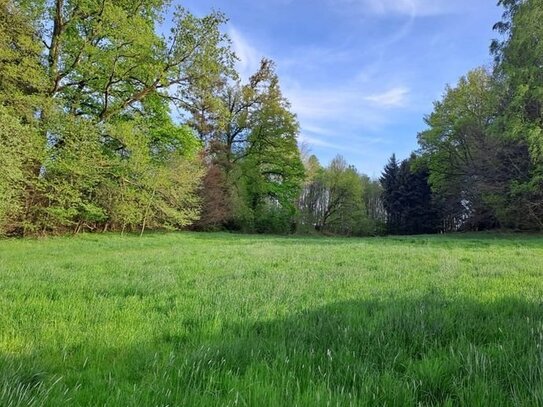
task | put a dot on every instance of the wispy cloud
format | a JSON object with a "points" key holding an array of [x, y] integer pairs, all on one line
{"points": [[346, 115], [344, 120], [355, 105], [248, 55], [401, 7], [325, 101], [335, 139], [351, 67], [317, 142], [395, 97]]}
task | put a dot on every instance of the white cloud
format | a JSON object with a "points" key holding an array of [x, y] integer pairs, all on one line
{"points": [[342, 141], [401, 7], [317, 142], [312, 129], [248, 55], [395, 97], [352, 106], [333, 117]]}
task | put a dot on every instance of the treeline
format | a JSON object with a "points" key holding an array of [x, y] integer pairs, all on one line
{"points": [[482, 153], [105, 124], [337, 199], [480, 161], [88, 95]]}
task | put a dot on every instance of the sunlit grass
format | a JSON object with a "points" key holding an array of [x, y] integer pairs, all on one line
{"points": [[216, 319]]}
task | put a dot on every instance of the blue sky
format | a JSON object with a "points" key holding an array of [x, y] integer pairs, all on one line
{"points": [[360, 74]]}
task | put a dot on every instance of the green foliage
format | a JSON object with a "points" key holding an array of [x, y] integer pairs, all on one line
{"points": [[22, 81], [407, 198], [459, 149], [344, 205], [374, 222], [338, 200], [458, 132], [311, 199], [272, 170], [252, 144], [208, 319], [420, 213], [71, 172], [151, 192], [21, 96], [391, 203], [484, 138], [519, 58], [19, 149], [86, 128], [95, 84]]}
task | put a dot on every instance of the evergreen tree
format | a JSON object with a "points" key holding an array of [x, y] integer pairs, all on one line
{"points": [[419, 213], [391, 203]]}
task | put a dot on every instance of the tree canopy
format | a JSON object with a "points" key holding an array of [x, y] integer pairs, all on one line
{"points": [[110, 122]]}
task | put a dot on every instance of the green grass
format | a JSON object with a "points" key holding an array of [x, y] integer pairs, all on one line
{"points": [[224, 320]]}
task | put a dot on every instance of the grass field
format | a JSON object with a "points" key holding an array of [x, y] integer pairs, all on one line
{"points": [[224, 320]]}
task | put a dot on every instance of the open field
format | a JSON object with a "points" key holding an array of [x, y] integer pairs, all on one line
{"points": [[216, 319]]}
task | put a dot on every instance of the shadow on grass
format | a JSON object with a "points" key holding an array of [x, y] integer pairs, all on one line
{"points": [[429, 350], [423, 351]]}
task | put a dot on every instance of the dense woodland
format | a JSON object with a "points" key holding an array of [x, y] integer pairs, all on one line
{"points": [[108, 124]]}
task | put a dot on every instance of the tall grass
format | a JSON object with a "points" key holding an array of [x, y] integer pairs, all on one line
{"points": [[224, 320]]}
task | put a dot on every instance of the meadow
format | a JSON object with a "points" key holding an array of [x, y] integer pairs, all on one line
{"points": [[223, 320]]}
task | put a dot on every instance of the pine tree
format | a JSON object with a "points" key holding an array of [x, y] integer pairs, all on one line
{"points": [[418, 212], [390, 197]]}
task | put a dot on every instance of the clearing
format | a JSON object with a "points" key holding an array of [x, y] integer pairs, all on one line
{"points": [[218, 319]]}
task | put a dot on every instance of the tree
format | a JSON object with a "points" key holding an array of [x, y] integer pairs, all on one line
{"points": [[311, 203], [339, 200], [19, 147], [461, 150], [104, 57], [216, 199], [375, 215], [390, 197], [407, 198], [89, 86], [148, 190], [251, 143], [419, 212], [22, 87], [342, 202], [22, 82], [519, 58], [272, 169]]}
